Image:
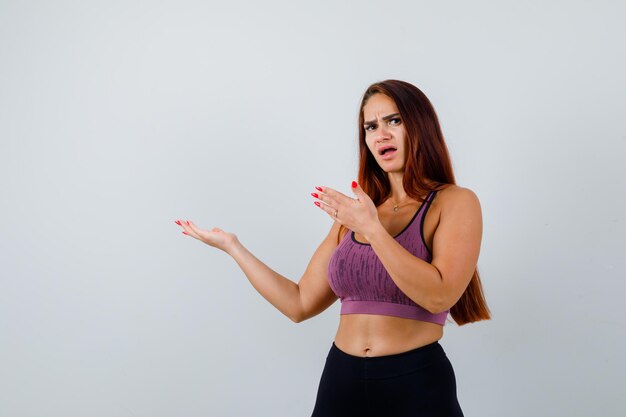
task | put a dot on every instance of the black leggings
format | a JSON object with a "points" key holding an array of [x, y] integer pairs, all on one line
{"points": [[417, 383]]}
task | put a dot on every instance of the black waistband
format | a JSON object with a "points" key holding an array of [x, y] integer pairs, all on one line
{"points": [[387, 365]]}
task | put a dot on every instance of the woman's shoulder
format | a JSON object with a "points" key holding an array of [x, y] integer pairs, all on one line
{"points": [[453, 197], [455, 191]]}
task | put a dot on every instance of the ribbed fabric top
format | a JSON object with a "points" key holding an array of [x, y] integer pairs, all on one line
{"points": [[364, 286]]}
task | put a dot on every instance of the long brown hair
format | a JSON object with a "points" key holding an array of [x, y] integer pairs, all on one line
{"points": [[427, 158]]}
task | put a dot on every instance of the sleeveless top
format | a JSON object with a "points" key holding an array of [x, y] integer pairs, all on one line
{"points": [[362, 283]]}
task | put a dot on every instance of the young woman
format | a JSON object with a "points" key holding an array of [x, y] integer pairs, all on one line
{"points": [[401, 255]]}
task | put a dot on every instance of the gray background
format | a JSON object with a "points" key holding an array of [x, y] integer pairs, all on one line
{"points": [[118, 117]]}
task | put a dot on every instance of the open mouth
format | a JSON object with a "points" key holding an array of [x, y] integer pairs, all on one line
{"points": [[387, 152]]}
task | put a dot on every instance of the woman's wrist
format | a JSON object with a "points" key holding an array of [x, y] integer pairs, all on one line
{"points": [[234, 247], [374, 232]]}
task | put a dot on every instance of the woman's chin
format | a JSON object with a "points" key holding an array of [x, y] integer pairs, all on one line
{"points": [[389, 169]]}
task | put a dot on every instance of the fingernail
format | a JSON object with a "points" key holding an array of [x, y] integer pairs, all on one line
{"points": [[184, 233], [315, 195], [319, 188], [187, 222], [317, 203], [177, 222], [353, 184]]}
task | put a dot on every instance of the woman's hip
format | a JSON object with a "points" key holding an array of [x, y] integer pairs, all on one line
{"points": [[420, 382]]}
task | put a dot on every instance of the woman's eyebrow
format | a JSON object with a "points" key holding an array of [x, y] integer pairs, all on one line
{"points": [[391, 116]]}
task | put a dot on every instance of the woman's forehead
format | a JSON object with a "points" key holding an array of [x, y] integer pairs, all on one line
{"points": [[379, 105]]}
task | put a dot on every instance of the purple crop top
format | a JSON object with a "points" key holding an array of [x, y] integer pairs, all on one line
{"points": [[364, 286]]}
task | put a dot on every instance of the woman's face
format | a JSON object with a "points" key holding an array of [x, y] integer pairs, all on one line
{"points": [[385, 134]]}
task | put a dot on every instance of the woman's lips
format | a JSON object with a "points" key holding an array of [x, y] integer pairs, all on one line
{"points": [[388, 154]]}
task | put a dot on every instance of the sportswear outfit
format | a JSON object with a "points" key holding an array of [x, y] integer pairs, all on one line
{"points": [[417, 383]]}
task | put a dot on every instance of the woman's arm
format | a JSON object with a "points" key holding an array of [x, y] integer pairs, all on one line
{"points": [[309, 297], [438, 285]]}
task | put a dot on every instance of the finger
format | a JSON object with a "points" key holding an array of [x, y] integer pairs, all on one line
{"points": [[334, 196], [331, 211], [330, 192], [358, 191], [190, 228], [183, 224], [195, 230], [326, 199]]}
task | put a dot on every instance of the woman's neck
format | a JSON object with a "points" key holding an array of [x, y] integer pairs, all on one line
{"points": [[398, 194]]}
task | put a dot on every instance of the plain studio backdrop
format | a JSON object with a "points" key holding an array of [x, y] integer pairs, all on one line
{"points": [[119, 117]]}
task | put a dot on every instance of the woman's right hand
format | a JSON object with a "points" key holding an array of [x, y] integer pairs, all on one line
{"points": [[215, 237]]}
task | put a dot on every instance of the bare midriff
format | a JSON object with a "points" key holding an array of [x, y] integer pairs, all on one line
{"points": [[369, 335]]}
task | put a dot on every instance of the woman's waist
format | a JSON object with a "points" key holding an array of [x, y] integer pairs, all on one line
{"points": [[370, 335]]}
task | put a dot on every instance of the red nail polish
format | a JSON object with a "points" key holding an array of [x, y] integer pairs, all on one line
{"points": [[177, 222], [315, 195], [187, 222], [319, 188], [184, 233], [317, 203], [353, 184]]}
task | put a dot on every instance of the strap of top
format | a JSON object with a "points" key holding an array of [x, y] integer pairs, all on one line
{"points": [[427, 203]]}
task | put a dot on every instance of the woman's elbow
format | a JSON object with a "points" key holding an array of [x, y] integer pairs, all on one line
{"points": [[437, 305], [300, 316], [297, 319], [304, 315]]}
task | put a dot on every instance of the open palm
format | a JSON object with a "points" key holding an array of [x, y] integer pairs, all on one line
{"points": [[215, 237]]}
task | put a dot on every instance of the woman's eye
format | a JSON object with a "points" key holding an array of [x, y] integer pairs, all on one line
{"points": [[395, 121], [370, 128]]}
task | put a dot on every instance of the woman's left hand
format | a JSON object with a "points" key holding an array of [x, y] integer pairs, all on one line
{"points": [[358, 215]]}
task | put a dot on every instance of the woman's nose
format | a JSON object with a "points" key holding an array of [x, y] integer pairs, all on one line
{"points": [[383, 133]]}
